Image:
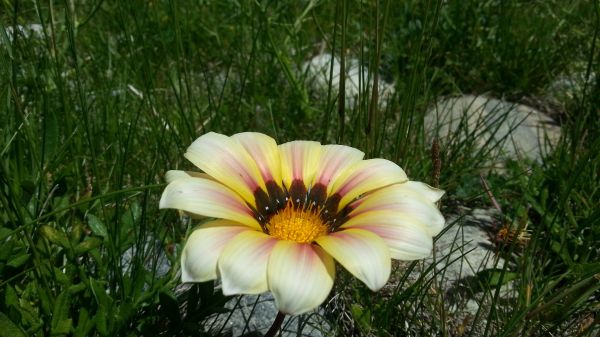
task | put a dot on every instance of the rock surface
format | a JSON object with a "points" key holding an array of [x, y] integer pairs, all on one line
{"points": [[507, 130], [466, 247], [318, 69]]}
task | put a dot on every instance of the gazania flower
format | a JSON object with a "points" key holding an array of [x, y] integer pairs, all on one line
{"points": [[283, 213]]}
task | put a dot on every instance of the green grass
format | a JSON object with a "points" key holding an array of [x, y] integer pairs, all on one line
{"points": [[98, 106]]}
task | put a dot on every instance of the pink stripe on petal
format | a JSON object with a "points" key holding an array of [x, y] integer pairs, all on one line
{"points": [[299, 161], [203, 248], [406, 236], [334, 160], [228, 162], [404, 199], [300, 276], [263, 149], [362, 253], [243, 263], [366, 176], [208, 198]]}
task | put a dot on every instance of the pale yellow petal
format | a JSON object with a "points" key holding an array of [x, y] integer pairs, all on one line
{"points": [[243, 263], [406, 236], [263, 149], [300, 276], [299, 161], [208, 198], [334, 160], [202, 249], [364, 254], [172, 175], [366, 176], [403, 199], [228, 162], [431, 193]]}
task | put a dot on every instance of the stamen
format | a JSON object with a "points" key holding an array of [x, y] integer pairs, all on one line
{"points": [[297, 224]]}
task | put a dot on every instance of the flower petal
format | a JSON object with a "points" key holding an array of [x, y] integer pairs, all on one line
{"points": [[243, 263], [228, 162], [208, 198], [299, 161], [431, 193], [263, 149], [335, 159], [404, 199], [173, 175], [366, 176], [300, 276], [362, 253], [406, 236], [203, 247]]}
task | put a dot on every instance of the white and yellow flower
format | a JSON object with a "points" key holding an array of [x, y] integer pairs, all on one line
{"points": [[284, 213]]}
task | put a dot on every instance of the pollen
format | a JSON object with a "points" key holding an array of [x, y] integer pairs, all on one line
{"points": [[297, 224]]}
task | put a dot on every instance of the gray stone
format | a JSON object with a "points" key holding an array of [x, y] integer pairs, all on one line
{"points": [[318, 70], [466, 248], [502, 129]]}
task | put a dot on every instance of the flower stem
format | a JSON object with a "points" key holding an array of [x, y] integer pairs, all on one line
{"points": [[276, 325]]}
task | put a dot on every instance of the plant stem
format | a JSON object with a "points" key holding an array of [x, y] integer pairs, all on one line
{"points": [[276, 325]]}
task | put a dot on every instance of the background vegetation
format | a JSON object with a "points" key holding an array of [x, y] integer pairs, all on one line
{"points": [[106, 96]]}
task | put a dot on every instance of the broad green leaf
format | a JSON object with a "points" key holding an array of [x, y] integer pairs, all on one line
{"points": [[54, 236], [96, 225], [4, 232], [18, 261], [8, 328], [61, 324], [87, 245]]}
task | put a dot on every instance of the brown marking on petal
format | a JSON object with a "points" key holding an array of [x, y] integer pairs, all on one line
{"points": [[329, 211], [276, 195], [263, 205], [297, 192], [317, 196]]}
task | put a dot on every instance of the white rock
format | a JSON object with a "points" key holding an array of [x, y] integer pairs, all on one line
{"points": [[318, 70], [507, 130], [32, 30], [466, 248]]}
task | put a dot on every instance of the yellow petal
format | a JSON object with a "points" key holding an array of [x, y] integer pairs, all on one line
{"points": [[404, 199], [406, 236], [228, 162], [263, 149], [366, 176], [300, 276], [299, 161], [362, 253], [172, 175], [208, 198], [334, 160], [431, 193], [203, 247], [243, 263]]}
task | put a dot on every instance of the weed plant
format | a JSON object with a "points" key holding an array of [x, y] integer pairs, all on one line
{"points": [[102, 97]]}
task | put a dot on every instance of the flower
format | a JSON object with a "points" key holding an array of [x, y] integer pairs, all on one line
{"points": [[283, 213]]}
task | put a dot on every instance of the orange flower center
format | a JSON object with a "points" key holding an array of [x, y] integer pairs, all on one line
{"points": [[296, 224]]}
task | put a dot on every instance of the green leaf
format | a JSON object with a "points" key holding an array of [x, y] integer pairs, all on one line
{"points": [[96, 225], [54, 236], [361, 316], [61, 323], [84, 324], [87, 245], [51, 134], [8, 328], [18, 261], [4, 232]]}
